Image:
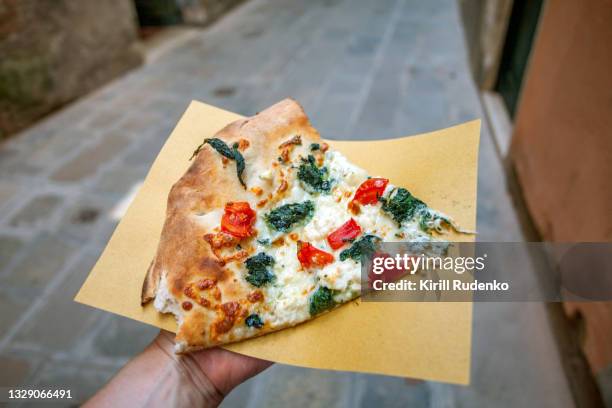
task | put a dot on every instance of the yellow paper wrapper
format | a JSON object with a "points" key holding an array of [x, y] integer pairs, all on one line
{"points": [[420, 340]]}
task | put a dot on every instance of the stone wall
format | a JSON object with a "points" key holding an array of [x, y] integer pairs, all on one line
{"points": [[53, 51]]}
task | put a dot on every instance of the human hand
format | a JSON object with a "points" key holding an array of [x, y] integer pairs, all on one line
{"points": [[222, 370], [158, 377]]}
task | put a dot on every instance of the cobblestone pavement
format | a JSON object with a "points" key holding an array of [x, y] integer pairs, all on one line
{"points": [[362, 69]]}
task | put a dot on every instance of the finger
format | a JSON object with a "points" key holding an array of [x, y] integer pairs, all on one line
{"points": [[227, 369], [224, 368]]}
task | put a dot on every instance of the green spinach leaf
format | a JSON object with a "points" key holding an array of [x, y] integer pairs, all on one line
{"points": [[365, 245], [259, 274], [223, 149], [321, 300], [287, 216], [315, 178], [401, 205], [253, 320]]}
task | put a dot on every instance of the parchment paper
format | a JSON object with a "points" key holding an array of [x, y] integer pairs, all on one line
{"points": [[419, 340]]}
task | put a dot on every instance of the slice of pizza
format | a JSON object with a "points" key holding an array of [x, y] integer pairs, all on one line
{"points": [[266, 230]]}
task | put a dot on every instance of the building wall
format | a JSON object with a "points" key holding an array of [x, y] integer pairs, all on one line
{"points": [[53, 51], [485, 24], [562, 142]]}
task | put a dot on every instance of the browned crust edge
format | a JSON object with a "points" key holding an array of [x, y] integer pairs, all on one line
{"points": [[150, 284]]}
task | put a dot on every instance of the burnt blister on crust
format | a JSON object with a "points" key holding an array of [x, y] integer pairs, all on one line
{"points": [[287, 147], [229, 312]]}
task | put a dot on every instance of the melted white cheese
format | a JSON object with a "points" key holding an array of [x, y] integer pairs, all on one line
{"points": [[343, 171], [288, 298], [210, 220]]}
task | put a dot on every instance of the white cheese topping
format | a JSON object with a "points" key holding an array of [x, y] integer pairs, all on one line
{"points": [[210, 220], [288, 297]]}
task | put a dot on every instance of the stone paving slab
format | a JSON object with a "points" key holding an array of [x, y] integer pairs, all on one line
{"points": [[8, 190], [110, 338], [19, 367], [40, 263], [84, 380], [9, 246], [14, 371], [362, 70], [393, 392], [60, 324], [88, 161], [37, 210], [12, 305], [282, 386]]}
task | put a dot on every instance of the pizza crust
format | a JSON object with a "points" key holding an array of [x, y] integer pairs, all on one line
{"points": [[184, 258], [150, 284]]}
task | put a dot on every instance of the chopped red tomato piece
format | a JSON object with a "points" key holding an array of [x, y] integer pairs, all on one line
{"points": [[346, 233], [238, 219], [369, 191], [310, 256]]}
